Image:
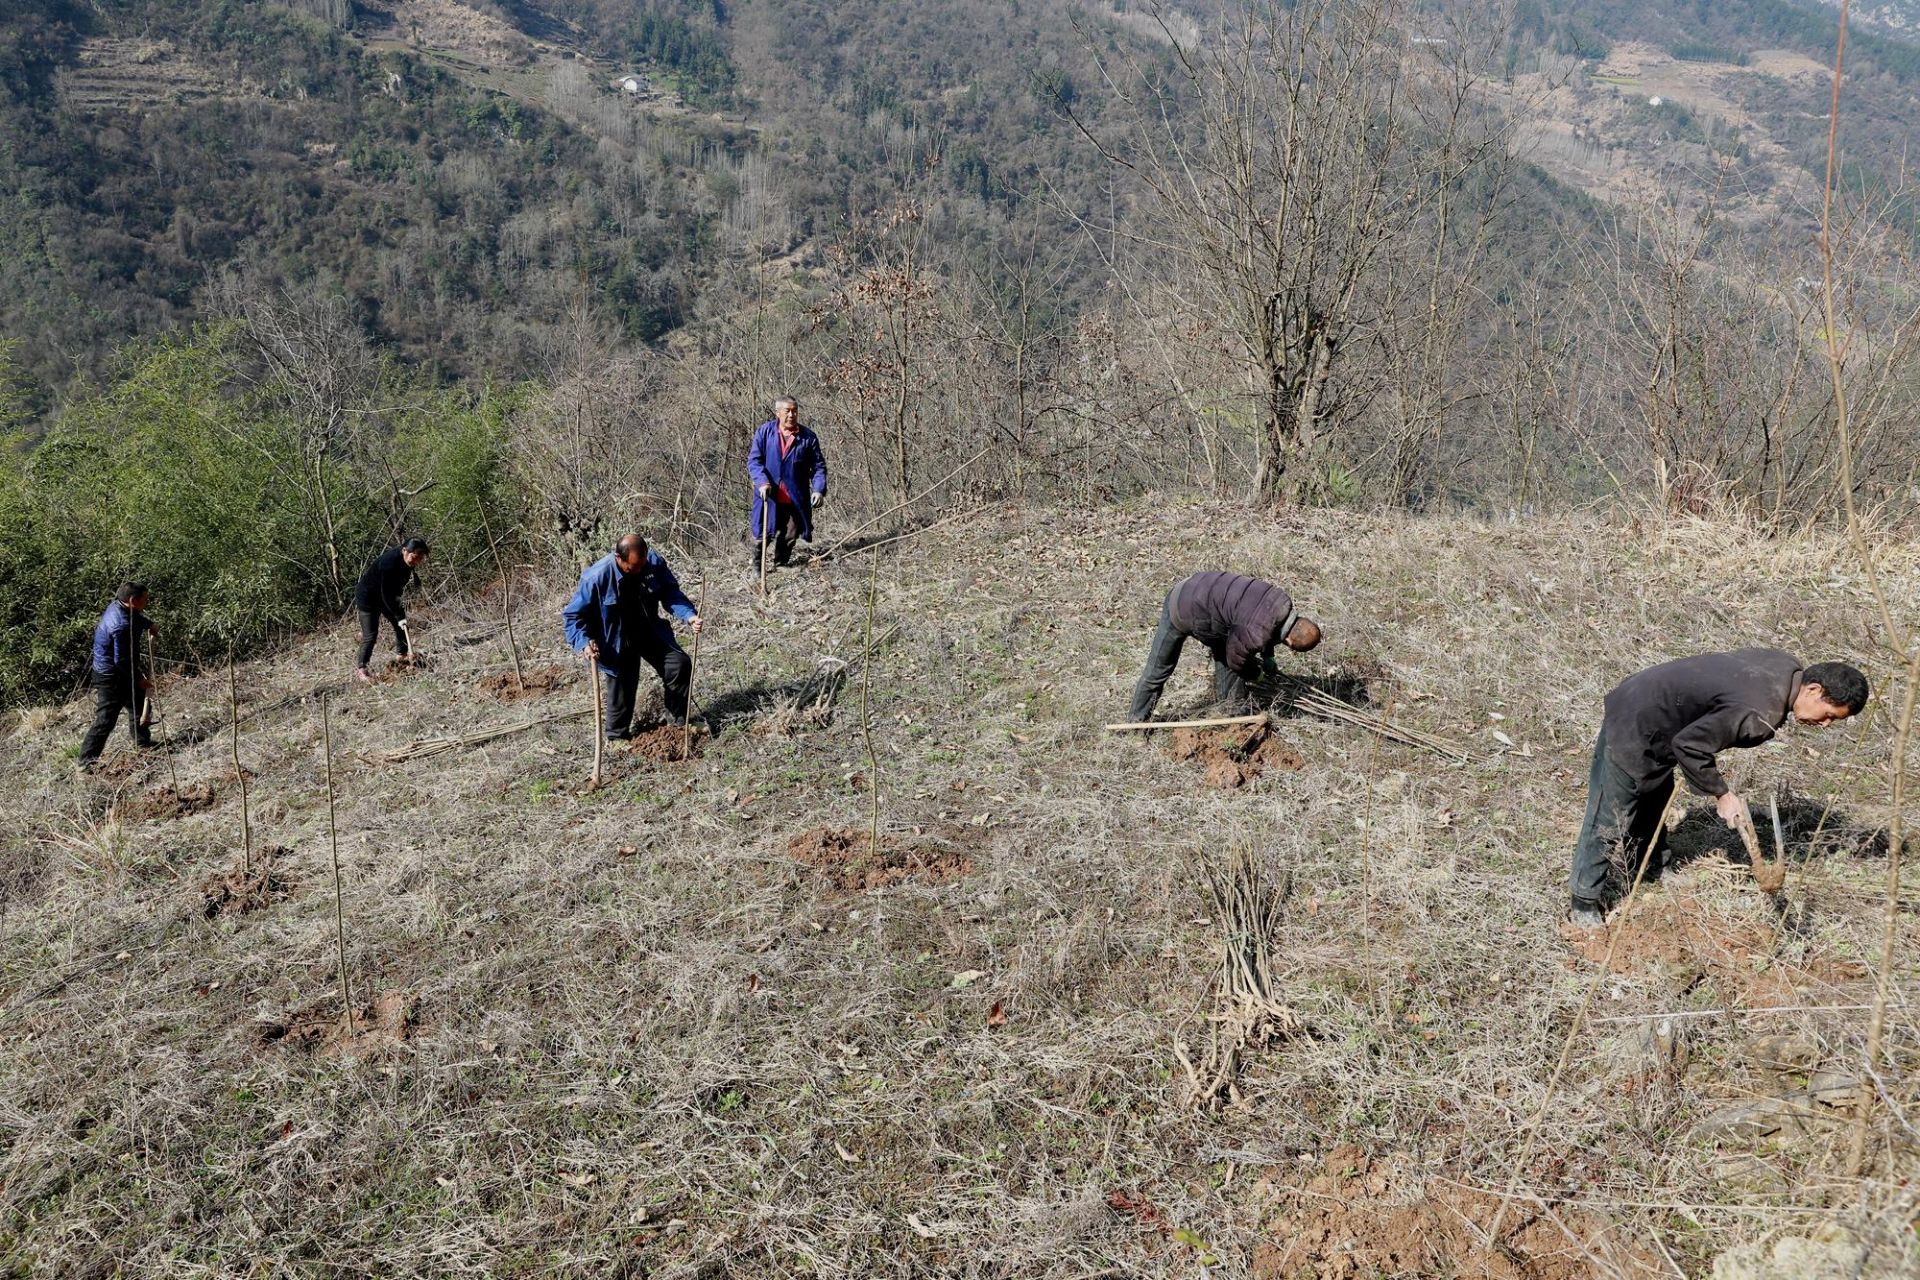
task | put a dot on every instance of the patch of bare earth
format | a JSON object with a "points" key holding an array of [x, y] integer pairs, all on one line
{"points": [[399, 669], [165, 802], [1677, 940], [666, 743], [135, 75], [537, 683], [120, 767], [846, 856], [376, 1028], [1361, 1217], [449, 27], [1234, 756], [238, 890]]}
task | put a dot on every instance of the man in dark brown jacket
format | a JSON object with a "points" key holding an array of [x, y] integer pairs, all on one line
{"points": [[1684, 713], [1238, 618]]}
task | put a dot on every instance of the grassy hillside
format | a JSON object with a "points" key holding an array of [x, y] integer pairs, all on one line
{"points": [[668, 1028]]}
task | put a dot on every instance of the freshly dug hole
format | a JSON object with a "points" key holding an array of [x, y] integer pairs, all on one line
{"points": [[1233, 756], [537, 683], [378, 1028], [666, 744], [164, 802], [843, 853], [237, 891]]}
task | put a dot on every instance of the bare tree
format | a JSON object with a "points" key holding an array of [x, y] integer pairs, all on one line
{"points": [[316, 366], [576, 444], [1280, 163]]}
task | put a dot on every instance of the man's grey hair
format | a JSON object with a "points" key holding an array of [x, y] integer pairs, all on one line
{"points": [[784, 400]]}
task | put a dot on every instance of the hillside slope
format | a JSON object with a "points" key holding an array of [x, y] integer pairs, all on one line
{"points": [[670, 1028]]}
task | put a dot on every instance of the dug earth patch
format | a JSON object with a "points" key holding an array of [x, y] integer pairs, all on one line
{"points": [[237, 890], [1233, 756], [843, 853], [666, 743], [165, 802], [537, 683], [1361, 1217], [1677, 941], [376, 1029]]}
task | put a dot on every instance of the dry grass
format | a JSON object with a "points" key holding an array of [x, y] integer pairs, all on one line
{"points": [[642, 1039]]}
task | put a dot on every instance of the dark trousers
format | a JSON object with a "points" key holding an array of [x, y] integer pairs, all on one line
{"points": [[668, 660], [113, 692], [370, 632], [785, 529], [1163, 655], [1622, 811]]}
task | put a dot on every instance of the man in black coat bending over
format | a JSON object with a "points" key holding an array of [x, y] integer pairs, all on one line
{"points": [[1239, 619], [1684, 713], [378, 596]]}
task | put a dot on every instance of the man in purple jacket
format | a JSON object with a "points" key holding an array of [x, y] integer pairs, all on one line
{"points": [[1239, 619], [1685, 713], [116, 677], [789, 474]]}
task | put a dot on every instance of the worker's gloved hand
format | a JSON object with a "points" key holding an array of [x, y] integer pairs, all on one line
{"points": [[819, 499], [766, 491], [1732, 810], [1268, 667]]}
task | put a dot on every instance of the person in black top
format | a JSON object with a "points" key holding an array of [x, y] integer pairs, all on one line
{"points": [[1685, 713], [378, 596]]}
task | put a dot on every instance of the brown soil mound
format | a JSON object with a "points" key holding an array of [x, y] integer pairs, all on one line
{"points": [[1235, 755], [665, 743], [842, 852], [378, 1028], [538, 683], [237, 891], [1361, 1217], [399, 669], [1675, 939], [164, 802], [121, 765]]}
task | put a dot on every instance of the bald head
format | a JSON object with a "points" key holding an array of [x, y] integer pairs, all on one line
{"points": [[630, 552], [1302, 635]]}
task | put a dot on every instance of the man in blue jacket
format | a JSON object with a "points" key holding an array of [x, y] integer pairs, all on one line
{"points": [[789, 474], [614, 618], [116, 677]]}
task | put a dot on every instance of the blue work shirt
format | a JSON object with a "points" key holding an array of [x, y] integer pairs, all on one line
{"points": [[614, 609]]}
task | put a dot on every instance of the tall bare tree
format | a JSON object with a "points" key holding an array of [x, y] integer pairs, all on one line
{"points": [[1278, 163]]}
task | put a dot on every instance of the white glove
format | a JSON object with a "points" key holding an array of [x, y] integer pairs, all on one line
{"points": [[819, 499], [766, 491]]}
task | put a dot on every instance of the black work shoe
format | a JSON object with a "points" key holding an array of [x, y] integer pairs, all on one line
{"points": [[1587, 915]]}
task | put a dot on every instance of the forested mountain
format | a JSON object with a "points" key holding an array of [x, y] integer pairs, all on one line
{"points": [[461, 171], [439, 257]]}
